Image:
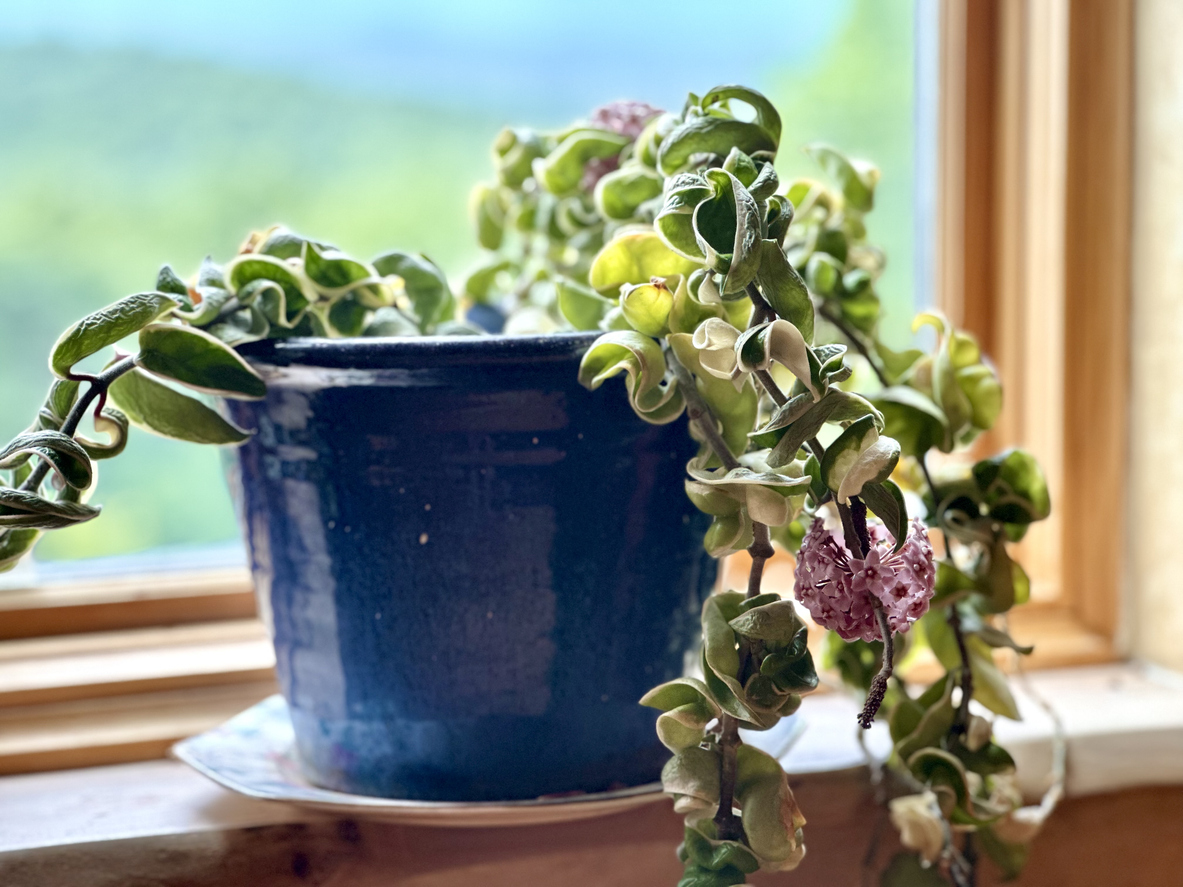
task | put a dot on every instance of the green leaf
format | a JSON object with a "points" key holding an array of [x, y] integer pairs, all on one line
{"points": [[823, 273], [836, 405], [692, 777], [390, 321], [1010, 857], [906, 870], [710, 135], [727, 231], [479, 284], [767, 117], [336, 273], [248, 324], [990, 686], [1013, 487], [913, 419], [619, 193], [784, 289], [250, 267], [347, 316], [157, 408], [488, 213], [583, 307], [777, 622], [647, 306], [856, 179], [735, 409], [653, 396], [561, 171], [14, 545], [65, 456], [917, 724], [887, 501], [778, 340], [633, 257], [168, 281], [514, 152], [772, 821], [197, 360], [96, 331], [21, 510], [426, 286], [858, 456]]}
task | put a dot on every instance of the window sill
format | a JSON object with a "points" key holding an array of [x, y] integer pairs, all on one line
{"points": [[166, 824]]}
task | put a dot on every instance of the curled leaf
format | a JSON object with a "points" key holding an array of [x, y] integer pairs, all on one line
{"points": [[653, 396], [106, 327]]}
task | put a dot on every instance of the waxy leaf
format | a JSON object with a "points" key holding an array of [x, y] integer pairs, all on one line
{"points": [[887, 501], [426, 286], [250, 267], [734, 404], [692, 777], [647, 307], [621, 192], [653, 396], [197, 360], [710, 135], [65, 456], [14, 545], [488, 213], [784, 289], [21, 510], [157, 408], [96, 331], [633, 257], [584, 308], [561, 171], [856, 179], [727, 231], [836, 405], [767, 117], [1013, 487], [778, 341], [857, 457]]}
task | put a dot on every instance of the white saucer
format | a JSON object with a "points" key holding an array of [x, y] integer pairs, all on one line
{"points": [[254, 754]]}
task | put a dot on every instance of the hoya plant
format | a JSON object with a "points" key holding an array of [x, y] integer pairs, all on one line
{"points": [[185, 333], [747, 305], [752, 308]]}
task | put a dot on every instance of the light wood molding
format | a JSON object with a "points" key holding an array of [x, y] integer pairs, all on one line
{"points": [[127, 602], [1034, 260]]}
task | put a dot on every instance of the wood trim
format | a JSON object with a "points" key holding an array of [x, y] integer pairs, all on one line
{"points": [[1097, 320], [130, 602], [73, 667], [137, 727], [1035, 256]]}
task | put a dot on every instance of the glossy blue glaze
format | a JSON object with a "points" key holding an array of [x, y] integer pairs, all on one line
{"points": [[472, 566]]}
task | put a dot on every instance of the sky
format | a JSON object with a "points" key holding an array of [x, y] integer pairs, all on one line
{"points": [[548, 58]]}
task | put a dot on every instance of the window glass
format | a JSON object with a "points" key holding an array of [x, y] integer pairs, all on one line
{"points": [[134, 133]]}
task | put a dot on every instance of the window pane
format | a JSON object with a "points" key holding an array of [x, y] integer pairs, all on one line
{"points": [[134, 136]]}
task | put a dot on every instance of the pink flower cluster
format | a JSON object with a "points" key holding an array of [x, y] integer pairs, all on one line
{"points": [[627, 118], [837, 588]]}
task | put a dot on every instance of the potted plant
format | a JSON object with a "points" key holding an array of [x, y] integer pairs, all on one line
{"points": [[473, 563]]}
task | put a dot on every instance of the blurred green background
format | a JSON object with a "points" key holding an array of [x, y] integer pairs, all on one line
{"points": [[124, 149]]}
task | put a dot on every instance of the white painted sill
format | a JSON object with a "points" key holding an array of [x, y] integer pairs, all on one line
{"points": [[1123, 722]]}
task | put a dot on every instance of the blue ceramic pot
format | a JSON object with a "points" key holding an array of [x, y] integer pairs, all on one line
{"points": [[472, 567]]}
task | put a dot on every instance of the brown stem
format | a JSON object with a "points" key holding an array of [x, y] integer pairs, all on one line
{"points": [[761, 310], [854, 339], [728, 826], [98, 389], [769, 385], [961, 721]]}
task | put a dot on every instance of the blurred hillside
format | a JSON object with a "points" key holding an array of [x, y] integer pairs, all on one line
{"points": [[113, 161]]}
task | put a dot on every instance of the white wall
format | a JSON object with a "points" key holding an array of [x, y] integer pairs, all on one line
{"points": [[1154, 627]]}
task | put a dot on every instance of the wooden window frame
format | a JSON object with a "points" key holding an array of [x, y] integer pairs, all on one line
{"points": [[1033, 257]]}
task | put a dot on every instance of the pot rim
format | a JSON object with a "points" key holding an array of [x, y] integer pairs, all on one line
{"points": [[401, 351]]}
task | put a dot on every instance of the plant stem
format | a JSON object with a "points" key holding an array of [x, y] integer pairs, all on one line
{"points": [[98, 389], [728, 826], [761, 310], [858, 541], [961, 721], [853, 338]]}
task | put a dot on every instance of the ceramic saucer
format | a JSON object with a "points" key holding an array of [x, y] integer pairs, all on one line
{"points": [[254, 754]]}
